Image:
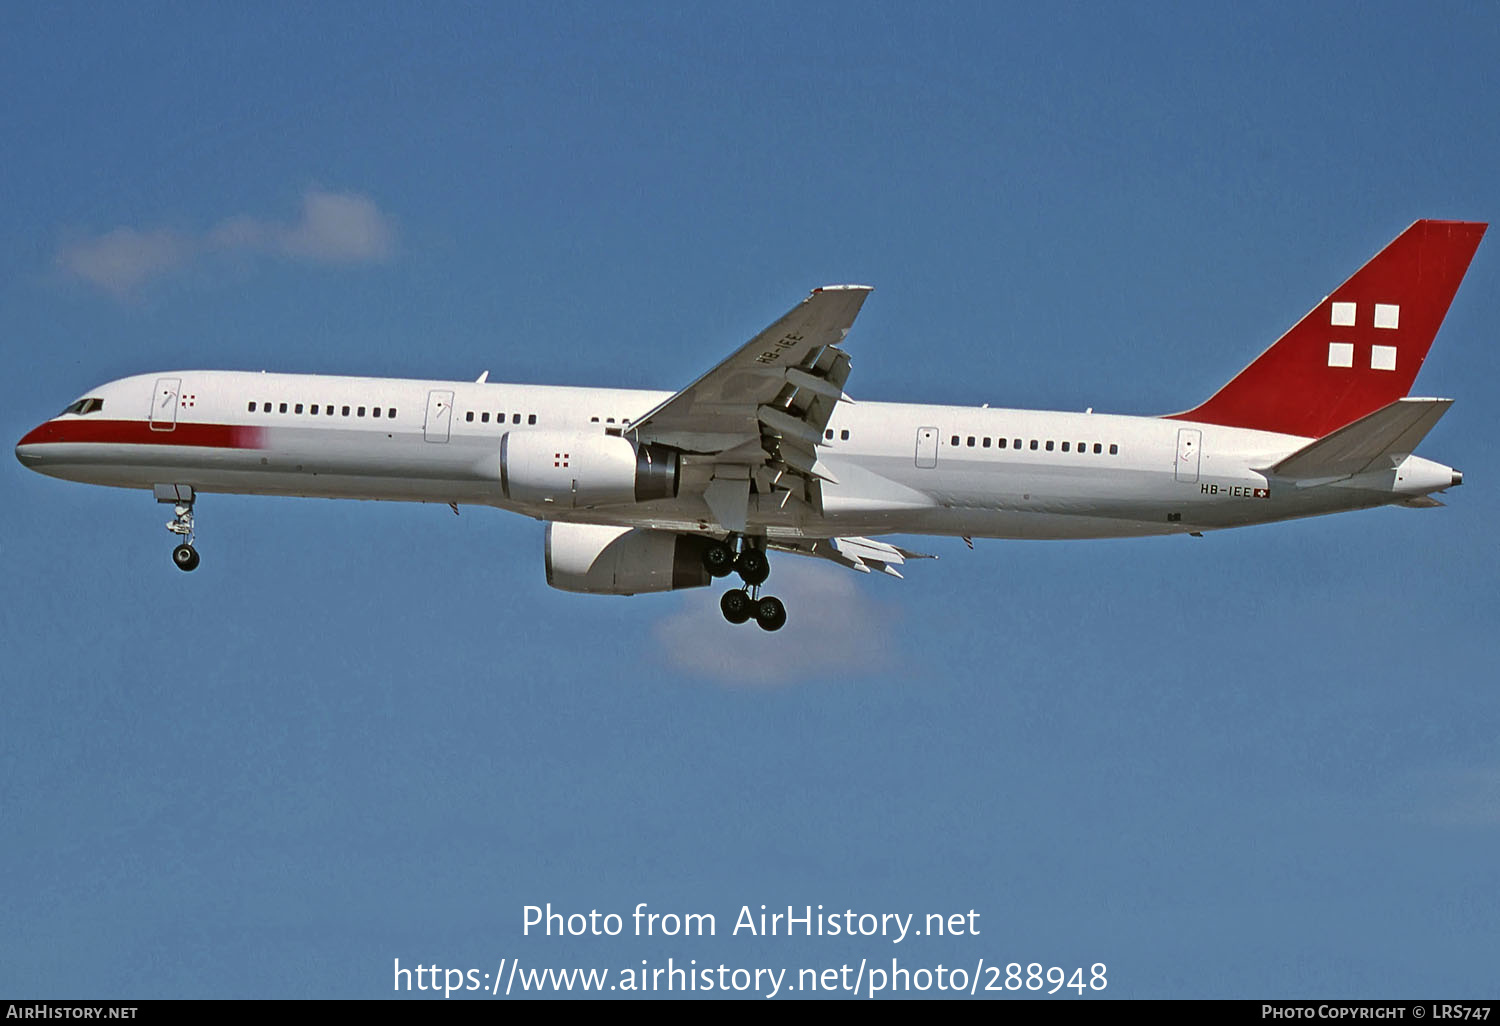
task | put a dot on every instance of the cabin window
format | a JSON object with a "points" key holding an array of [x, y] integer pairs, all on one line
{"points": [[314, 409], [1114, 450], [375, 412], [1065, 447], [828, 435], [955, 440], [469, 416], [531, 419], [283, 407], [298, 409], [484, 418], [999, 443], [252, 408], [361, 411], [1098, 448], [515, 418], [986, 443], [1033, 445], [1049, 445], [971, 441], [329, 409], [390, 413], [346, 411], [1016, 444]]}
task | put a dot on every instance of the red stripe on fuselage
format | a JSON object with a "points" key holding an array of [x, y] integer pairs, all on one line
{"points": [[140, 432]]}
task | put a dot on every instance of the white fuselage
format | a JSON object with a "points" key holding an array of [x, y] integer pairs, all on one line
{"points": [[898, 468]]}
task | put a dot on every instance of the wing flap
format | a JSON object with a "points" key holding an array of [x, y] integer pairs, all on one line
{"points": [[863, 555]]}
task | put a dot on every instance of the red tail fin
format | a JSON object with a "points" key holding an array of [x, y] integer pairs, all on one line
{"points": [[1360, 348]]}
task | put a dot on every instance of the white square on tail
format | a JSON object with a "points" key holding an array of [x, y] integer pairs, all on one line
{"points": [[1341, 354], [1343, 314], [1387, 315], [1383, 358]]}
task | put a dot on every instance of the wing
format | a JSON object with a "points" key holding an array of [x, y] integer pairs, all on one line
{"points": [[761, 413], [862, 554]]}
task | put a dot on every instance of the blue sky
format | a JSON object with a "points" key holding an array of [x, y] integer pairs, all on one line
{"points": [[1263, 763]]}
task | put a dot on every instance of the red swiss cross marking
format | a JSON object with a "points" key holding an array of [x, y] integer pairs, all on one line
{"points": [[559, 459]]}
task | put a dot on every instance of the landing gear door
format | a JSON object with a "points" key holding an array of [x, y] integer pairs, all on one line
{"points": [[1189, 444], [927, 446], [164, 404], [439, 416]]}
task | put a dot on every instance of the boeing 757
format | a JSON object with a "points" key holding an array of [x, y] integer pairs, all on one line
{"points": [[645, 491]]}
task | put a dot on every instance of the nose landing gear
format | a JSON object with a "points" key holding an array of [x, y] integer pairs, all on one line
{"points": [[181, 496], [743, 604]]}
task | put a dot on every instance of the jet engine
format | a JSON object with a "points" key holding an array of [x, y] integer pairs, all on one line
{"points": [[573, 469], [602, 560]]}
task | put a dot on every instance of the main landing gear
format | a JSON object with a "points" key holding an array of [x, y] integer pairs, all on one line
{"points": [[742, 604], [184, 555]]}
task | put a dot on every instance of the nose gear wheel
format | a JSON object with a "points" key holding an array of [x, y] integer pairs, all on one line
{"points": [[184, 556]]}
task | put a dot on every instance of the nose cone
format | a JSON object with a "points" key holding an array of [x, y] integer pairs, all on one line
{"points": [[26, 448]]}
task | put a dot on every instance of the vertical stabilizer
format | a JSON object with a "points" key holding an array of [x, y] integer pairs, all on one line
{"points": [[1359, 349]]}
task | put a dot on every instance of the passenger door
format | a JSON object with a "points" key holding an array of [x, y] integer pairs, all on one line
{"points": [[439, 416], [164, 402], [1189, 444], [927, 448]]}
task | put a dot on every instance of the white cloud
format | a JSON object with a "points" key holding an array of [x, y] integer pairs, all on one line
{"points": [[334, 228], [338, 228], [122, 260], [833, 625]]}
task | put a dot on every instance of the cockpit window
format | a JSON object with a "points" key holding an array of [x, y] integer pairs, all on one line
{"points": [[85, 406]]}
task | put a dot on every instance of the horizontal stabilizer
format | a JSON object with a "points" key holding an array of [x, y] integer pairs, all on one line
{"points": [[1376, 441]]}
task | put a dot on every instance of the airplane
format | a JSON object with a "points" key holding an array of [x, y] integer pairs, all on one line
{"points": [[646, 491]]}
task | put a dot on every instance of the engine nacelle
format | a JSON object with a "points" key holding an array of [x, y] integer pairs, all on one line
{"points": [[572, 469], [601, 560]]}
